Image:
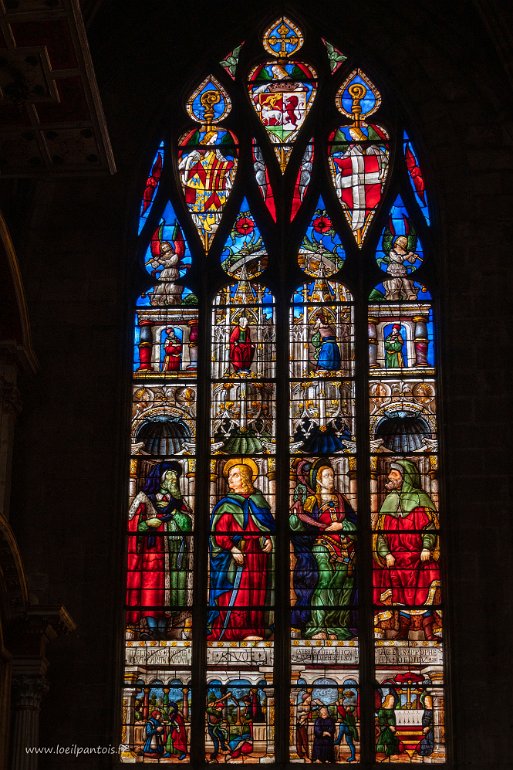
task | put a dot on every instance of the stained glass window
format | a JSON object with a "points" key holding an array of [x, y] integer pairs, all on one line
{"points": [[284, 596]]}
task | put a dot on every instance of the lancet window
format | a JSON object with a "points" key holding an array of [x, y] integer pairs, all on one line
{"points": [[283, 598]]}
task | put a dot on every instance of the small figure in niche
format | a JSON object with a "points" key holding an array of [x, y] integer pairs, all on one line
{"points": [[393, 348], [242, 349], [324, 340], [173, 350]]}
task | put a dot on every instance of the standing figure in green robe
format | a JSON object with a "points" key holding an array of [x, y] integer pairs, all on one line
{"points": [[393, 349], [388, 742], [170, 499], [324, 574]]}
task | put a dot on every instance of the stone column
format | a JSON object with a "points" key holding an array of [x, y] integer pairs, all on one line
{"points": [[433, 476], [165, 700], [185, 708], [146, 703], [374, 489], [28, 638], [128, 719], [193, 344], [190, 475], [145, 346], [185, 359], [270, 715], [132, 490], [421, 340], [5, 691], [271, 475], [373, 344], [10, 407], [27, 692], [353, 477]]}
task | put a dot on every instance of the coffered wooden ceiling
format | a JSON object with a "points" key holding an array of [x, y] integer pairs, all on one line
{"points": [[51, 117]]}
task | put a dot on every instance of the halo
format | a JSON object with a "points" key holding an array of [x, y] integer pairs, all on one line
{"points": [[229, 464], [321, 462]]}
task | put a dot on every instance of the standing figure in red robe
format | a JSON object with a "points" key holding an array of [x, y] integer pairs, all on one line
{"points": [[242, 350], [407, 575], [176, 739], [158, 521], [241, 550], [173, 350]]}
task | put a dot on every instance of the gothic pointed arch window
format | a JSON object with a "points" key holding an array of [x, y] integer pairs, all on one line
{"points": [[283, 595]]}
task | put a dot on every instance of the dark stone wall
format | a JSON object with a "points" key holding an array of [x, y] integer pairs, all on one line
{"points": [[75, 242]]}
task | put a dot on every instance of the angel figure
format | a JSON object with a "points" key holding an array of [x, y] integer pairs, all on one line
{"points": [[166, 262], [399, 287]]}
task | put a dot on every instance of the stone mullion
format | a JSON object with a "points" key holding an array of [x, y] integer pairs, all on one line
{"points": [[202, 509], [365, 348]]}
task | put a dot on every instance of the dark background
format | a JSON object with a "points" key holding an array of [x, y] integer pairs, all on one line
{"points": [[450, 66]]}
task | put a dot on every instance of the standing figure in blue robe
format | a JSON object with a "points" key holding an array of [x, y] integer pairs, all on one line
{"points": [[324, 340], [154, 729]]}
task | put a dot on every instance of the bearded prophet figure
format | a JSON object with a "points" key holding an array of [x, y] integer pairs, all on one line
{"points": [[407, 573], [158, 522], [241, 546]]}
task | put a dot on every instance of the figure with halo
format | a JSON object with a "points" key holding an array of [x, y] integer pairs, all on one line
{"points": [[241, 553]]}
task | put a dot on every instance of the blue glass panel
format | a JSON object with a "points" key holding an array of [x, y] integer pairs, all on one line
{"points": [[168, 256], [151, 187], [321, 253], [244, 256], [416, 177], [399, 253]]}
